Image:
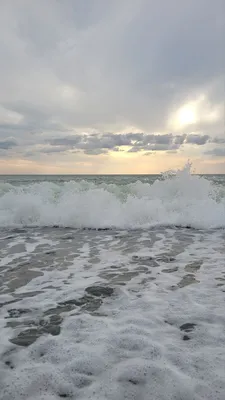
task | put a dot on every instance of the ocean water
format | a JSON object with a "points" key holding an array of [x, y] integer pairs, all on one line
{"points": [[112, 287]]}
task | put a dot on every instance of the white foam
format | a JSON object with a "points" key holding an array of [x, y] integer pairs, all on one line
{"points": [[133, 347], [178, 199]]}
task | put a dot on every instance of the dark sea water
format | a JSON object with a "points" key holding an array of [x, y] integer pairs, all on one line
{"points": [[98, 179]]}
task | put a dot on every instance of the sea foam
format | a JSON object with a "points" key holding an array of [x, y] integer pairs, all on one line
{"points": [[178, 198]]}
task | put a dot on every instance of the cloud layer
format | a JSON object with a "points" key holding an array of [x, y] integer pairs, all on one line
{"points": [[72, 71], [104, 143], [132, 142]]}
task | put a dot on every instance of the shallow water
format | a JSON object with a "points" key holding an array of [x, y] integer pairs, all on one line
{"points": [[115, 314]]}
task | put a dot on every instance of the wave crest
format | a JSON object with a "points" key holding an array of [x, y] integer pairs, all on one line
{"points": [[179, 198]]}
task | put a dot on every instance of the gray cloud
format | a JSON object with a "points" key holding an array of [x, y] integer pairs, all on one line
{"points": [[106, 66], [69, 141], [218, 140], [217, 152], [7, 144], [95, 152], [197, 139], [56, 149], [100, 143]]}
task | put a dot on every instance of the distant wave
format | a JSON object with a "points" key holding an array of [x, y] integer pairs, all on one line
{"points": [[179, 199]]}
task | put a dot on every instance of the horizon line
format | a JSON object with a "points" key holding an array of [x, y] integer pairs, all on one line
{"points": [[160, 173]]}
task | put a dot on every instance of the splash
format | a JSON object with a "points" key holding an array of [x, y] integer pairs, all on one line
{"points": [[178, 198]]}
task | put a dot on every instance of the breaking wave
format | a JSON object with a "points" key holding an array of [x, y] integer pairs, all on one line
{"points": [[178, 198]]}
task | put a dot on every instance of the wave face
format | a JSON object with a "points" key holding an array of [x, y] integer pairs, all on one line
{"points": [[178, 198]]}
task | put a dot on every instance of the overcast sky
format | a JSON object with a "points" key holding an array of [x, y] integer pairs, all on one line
{"points": [[112, 86]]}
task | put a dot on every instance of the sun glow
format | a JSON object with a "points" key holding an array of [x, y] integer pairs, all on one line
{"points": [[186, 115], [194, 112]]}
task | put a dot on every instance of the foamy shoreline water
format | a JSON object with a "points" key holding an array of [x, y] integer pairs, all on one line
{"points": [[112, 314], [134, 312]]}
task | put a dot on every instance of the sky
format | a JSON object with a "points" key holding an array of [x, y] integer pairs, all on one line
{"points": [[110, 87]]}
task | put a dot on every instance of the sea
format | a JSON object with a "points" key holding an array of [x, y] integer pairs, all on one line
{"points": [[112, 287]]}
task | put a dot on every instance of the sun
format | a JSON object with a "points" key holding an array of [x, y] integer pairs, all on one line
{"points": [[193, 112], [186, 115]]}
